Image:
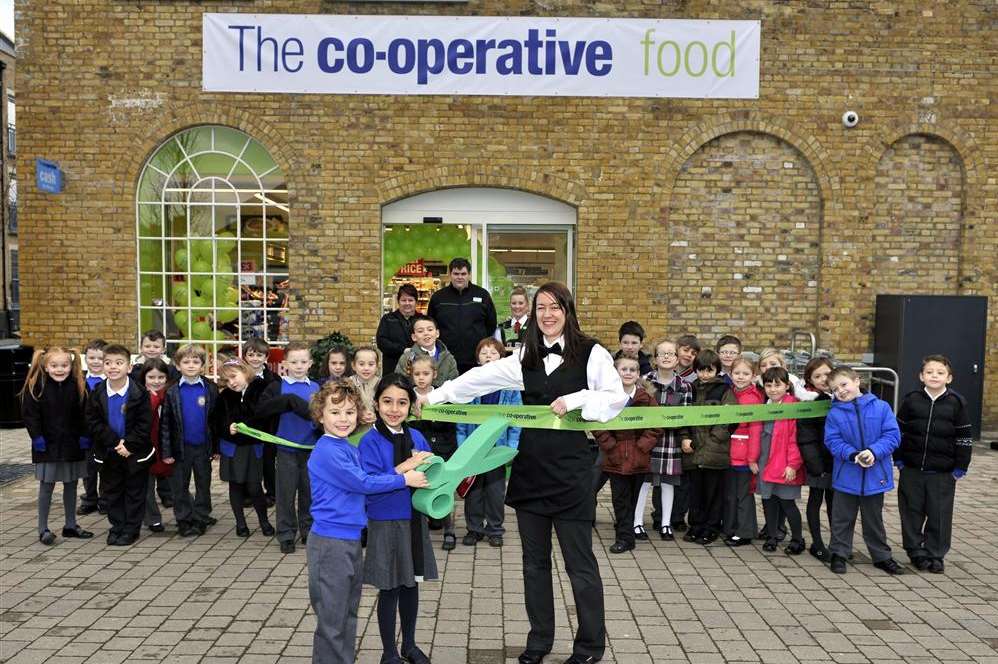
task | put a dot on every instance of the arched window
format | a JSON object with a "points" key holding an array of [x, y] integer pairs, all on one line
{"points": [[212, 227]]}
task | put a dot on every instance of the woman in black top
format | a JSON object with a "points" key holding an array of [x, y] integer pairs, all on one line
{"points": [[550, 484], [395, 329]]}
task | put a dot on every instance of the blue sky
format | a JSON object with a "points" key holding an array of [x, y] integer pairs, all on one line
{"points": [[7, 17]]}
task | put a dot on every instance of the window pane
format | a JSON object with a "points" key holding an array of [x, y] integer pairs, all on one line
{"points": [[277, 256], [150, 256], [195, 140], [258, 158], [277, 219], [213, 165], [183, 177], [230, 141], [167, 156], [151, 220], [528, 259], [251, 259], [151, 186]]}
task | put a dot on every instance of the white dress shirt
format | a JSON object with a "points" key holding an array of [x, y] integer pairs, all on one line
{"points": [[601, 402]]}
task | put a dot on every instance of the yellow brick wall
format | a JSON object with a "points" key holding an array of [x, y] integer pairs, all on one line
{"points": [[103, 83]]}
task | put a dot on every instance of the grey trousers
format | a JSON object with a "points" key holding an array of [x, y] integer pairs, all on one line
{"points": [[196, 461], [291, 469], [925, 501], [871, 508], [153, 514], [335, 577], [483, 506], [739, 517]]}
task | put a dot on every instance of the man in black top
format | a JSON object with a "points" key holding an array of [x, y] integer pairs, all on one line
{"points": [[465, 314]]}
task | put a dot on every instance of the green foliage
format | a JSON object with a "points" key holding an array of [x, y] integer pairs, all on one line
{"points": [[322, 346]]}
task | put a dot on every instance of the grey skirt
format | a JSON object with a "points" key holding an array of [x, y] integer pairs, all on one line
{"points": [[243, 467], [820, 482], [60, 471], [388, 560], [658, 480]]}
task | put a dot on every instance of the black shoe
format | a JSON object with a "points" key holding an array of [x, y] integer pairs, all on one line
{"points": [[921, 564], [770, 545], [450, 542], [266, 529], [582, 659], [736, 541], [690, 536], [126, 540], [156, 527], [84, 510], [819, 552], [184, 529], [287, 547], [167, 503], [620, 547], [112, 539], [666, 534], [707, 539], [838, 564], [639, 533], [936, 566], [471, 539], [101, 510], [77, 532], [198, 528], [679, 527], [415, 656], [208, 521], [795, 548], [495, 540], [531, 657], [242, 531], [890, 566], [435, 524], [47, 538]]}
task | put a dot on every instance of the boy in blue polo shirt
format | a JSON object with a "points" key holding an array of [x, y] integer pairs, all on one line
{"points": [[289, 398], [91, 501], [187, 438]]}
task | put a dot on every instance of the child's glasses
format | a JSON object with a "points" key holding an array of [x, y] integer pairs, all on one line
{"points": [[665, 355]]}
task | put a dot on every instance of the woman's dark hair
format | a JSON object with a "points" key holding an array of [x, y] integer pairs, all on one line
{"points": [[574, 337], [153, 364], [813, 365], [706, 359], [407, 289], [776, 375], [398, 380]]}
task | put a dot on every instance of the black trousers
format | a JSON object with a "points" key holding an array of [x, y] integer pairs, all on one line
{"points": [[92, 497], [125, 495], [706, 500], [576, 540], [925, 501], [270, 470], [624, 491]]}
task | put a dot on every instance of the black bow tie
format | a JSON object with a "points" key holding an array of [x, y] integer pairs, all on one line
{"points": [[550, 350]]}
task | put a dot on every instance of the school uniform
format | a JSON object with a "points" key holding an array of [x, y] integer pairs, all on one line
{"points": [[484, 512], [241, 457], [710, 459], [187, 434], [935, 450], [158, 470], [666, 463], [112, 416], [335, 569], [551, 481], [865, 423], [288, 399], [91, 499], [269, 461], [739, 518], [172, 374], [511, 332]]}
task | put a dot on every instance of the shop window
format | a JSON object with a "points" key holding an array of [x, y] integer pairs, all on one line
{"points": [[212, 227], [512, 238]]}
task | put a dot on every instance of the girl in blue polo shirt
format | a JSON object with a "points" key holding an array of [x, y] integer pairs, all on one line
{"points": [[339, 485], [399, 553]]}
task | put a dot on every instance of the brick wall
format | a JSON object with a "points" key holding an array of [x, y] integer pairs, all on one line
{"points": [[103, 83]]}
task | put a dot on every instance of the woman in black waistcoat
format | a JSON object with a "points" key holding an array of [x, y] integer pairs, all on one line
{"points": [[551, 480]]}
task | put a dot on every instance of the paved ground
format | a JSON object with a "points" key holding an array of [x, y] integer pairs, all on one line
{"points": [[220, 599]]}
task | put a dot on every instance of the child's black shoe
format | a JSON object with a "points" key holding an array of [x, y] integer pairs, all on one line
{"points": [[47, 538], [770, 545], [620, 547], [819, 551], [287, 547], [266, 529], [921, 564], [242, 531], [208, 521], [156, 527], [639, 533], [77, 532], [666, 534], [795, 548], [450, 542], [690, 536], [679, 527], [198, 528], [936, 566], [707, 539], [890, 566], [184, 529], [838, 564], [84, 510]]}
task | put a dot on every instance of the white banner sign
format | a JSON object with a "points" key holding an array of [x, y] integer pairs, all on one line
{"points": [[455, 55]]}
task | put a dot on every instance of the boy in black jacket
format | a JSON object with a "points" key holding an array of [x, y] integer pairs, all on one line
{"points": [[934, 453], [187, 437], [119, 417]]}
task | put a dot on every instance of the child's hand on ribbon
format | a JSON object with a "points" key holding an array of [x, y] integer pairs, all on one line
{"points": [[687, 445]]}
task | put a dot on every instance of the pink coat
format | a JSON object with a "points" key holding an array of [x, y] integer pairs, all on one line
{"points": [[745, 439], [783, 451]]}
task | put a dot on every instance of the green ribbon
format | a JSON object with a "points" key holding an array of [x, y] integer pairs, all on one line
{"points": [[644, 417], [242, 428]]}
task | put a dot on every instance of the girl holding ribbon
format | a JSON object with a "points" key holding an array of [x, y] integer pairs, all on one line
{"points": [[550, 484]]}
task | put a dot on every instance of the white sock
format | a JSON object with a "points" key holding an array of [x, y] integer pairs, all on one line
{"points": [[639, 508], [668, 492]]}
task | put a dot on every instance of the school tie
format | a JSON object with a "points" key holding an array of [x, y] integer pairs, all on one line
{"points": [[516, 327]]}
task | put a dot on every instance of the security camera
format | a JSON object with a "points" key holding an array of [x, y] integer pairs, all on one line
{"points": [[850, 119]]}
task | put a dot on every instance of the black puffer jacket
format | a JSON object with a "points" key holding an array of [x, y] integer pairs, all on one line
{"points": [[464, 318], [138, 423], [58, 417], [811, 441], [935, 435], [394, 336]]}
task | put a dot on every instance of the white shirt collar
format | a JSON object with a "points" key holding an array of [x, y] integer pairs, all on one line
{"points": [[634, 390], [291, 381], [260, 372], [392, 429], [560, 341], [191, 381], [96, 375], [119, 393], [522, 320], [428, 351]]}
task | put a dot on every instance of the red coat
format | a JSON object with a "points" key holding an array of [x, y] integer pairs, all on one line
{"points": [[783, 451], [745, 439], [628, 451], [158, 468]]}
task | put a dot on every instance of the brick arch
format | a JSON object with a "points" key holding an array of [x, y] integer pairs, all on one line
{"points": [[960, 141], [693, 139], [446, 177], [178, 118]]}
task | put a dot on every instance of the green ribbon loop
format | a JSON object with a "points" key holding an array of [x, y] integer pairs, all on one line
{"points": [[246, 430], [646, 417]]}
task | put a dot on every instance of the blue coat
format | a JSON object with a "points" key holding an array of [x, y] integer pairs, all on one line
{"points": [[376, 458], [511, 438], [880, 435]]}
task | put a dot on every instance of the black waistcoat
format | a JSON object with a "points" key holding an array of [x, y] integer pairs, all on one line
{"points": [[552, 473]]}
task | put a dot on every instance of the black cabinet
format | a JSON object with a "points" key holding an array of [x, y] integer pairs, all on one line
{"points": [[909, 327]]}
